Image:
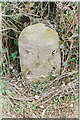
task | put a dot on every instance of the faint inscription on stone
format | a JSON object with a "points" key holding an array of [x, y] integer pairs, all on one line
{"points": [[39, 52]]}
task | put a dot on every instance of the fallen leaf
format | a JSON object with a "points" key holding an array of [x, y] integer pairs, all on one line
{"points": [[36, 97], [41, 106]]}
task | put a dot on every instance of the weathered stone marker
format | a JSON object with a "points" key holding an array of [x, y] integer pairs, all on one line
{"points": [[39, 51]]}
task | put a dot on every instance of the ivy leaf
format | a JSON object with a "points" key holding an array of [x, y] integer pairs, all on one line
{"points": [[34, 107], [73, 59], [13, 55], [16, 42], [61, 46], [1, 73]]}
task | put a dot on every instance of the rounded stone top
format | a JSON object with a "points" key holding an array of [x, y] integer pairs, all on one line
{"points": [[40, 31]]}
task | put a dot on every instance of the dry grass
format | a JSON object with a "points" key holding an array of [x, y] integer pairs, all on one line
{"points": [[55, 97]]}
